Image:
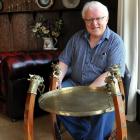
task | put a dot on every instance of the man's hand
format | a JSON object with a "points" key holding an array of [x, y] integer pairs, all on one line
{"points": [[58, 84], [100, 81]]}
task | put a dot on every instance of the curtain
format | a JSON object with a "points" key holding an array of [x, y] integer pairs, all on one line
{"points": [[127, 27], [139, 43]]}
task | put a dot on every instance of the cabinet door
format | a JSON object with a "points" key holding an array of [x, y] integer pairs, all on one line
{"points": [[6, 5], [5, 33], [22, 35]]}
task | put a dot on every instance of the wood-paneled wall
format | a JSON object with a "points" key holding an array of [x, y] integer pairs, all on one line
{"points": [[17, 17]]}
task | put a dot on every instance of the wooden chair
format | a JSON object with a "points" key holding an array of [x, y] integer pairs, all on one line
{"points": [[121, 129]]}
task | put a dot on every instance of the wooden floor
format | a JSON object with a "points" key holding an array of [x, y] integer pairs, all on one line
{"points": [[15, 130]]}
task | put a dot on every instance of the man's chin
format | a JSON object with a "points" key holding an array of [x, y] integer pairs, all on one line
{"points": [[96, 34]]}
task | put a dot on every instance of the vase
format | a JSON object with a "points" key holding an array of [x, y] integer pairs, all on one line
{"points": [[49, 43]]}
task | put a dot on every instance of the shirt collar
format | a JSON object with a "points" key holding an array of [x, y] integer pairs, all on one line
{"points": [[106, 33]]}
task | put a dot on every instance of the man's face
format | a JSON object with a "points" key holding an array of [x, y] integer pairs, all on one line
{"points": [[96, 22]]}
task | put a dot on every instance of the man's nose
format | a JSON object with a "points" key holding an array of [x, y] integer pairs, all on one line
{"points": [[94, 22]]}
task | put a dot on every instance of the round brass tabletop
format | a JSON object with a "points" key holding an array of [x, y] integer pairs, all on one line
{"points": [[77, 101]]}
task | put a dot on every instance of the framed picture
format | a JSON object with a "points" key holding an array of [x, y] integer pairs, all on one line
{"points": [[70, 3], [45, 4]]}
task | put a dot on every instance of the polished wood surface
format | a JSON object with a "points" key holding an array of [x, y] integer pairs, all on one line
{"points": [[35, 82], [119, 103], [29, 111], [28, 116]]}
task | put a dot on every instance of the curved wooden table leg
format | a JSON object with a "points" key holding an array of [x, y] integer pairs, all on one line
{"points": [[121, 130], [29, 108], [119, 103], [28, 116], [53, 120], [35, 81]]}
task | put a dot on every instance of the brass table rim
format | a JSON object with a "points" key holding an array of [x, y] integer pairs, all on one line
{"points": [[69, 91]]}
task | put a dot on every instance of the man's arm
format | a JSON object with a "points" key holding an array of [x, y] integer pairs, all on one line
{"points": [[63, 69], [100, 81]]}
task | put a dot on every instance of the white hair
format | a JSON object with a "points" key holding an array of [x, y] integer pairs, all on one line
{"points": [[94, 5]]}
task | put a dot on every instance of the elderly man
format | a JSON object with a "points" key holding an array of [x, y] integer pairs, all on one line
{"points": [[89, 53]]}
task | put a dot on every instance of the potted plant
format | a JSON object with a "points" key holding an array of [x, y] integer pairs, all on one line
{"points": [[49, 31]]}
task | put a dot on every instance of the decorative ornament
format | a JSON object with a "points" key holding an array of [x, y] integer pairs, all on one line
{"points": [[44, 4], [70, 3], [1, 4]]}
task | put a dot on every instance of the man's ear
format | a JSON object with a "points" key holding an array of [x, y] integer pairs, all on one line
{"points": [[107, 19]]}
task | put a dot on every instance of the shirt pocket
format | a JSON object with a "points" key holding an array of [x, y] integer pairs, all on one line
{"points": [[100, 61]]}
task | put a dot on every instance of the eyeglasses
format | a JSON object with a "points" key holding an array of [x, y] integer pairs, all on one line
{"points": [[91, 20]]}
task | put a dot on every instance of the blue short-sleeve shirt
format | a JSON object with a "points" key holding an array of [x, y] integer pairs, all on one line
{"points": [[89, 63]]}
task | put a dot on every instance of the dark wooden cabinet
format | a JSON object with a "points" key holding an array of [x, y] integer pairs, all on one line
{"points": [[31, 5], [17, 17], [5, 33]]}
